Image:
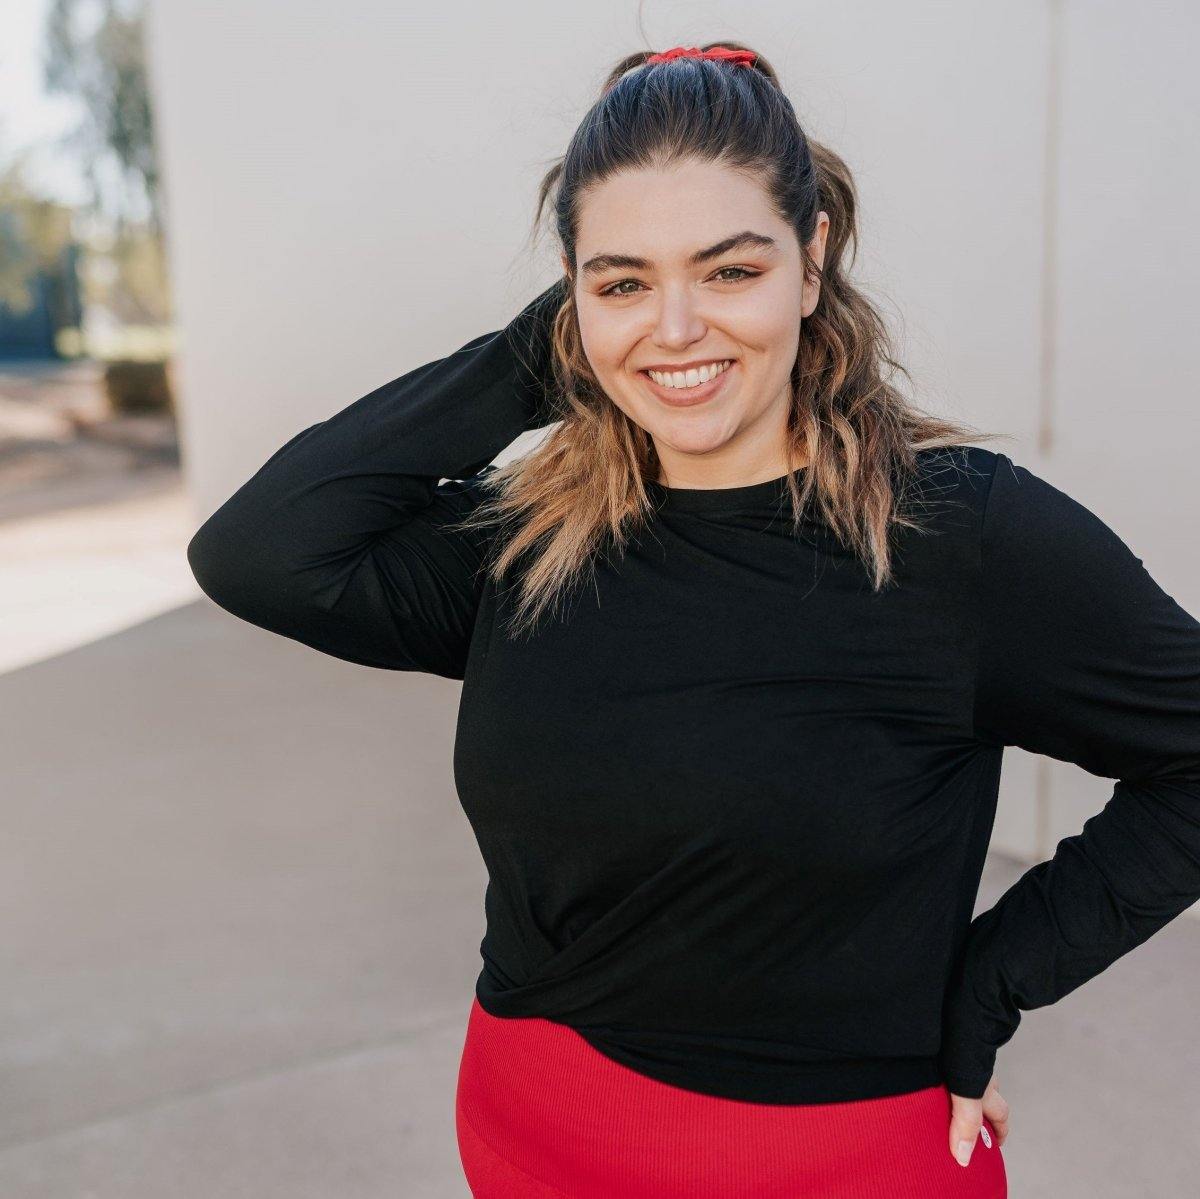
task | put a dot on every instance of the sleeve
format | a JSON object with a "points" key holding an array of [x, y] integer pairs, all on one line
{"points": [[1084, 658], [342, 540]]}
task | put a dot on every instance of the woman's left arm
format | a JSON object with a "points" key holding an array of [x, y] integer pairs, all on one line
{"points": [[1084, 658]]}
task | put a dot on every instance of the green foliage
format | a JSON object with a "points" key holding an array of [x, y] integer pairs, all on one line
{"points": [[34, 235]]}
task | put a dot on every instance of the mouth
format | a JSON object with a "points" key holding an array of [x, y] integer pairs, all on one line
{"points": [[685, 397]]}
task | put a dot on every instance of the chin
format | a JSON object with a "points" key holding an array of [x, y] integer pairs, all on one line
{"points": [[697, 442]]}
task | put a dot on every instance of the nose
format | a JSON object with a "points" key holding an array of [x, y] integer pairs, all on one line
{"points": [[678, 320]]}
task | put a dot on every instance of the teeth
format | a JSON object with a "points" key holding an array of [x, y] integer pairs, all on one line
{"points": [[692, 378]]}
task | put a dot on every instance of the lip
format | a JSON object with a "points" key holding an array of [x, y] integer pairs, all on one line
{"points": [[689, 397], [695, 364]]}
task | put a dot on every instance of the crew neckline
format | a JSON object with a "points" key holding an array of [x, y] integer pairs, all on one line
{"points": [[719, 499]]}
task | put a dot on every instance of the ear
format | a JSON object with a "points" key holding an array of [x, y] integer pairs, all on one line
{"points": [[816, 247], [565, 265], [811, 290]]}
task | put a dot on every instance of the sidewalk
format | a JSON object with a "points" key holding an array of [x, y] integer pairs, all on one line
{"points": [[243, 911], [94, 519]]}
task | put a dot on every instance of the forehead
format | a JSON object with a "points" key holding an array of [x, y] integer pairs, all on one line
{"points": [[666, 214]]}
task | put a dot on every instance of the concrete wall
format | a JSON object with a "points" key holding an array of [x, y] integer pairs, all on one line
{"points": [[350, 189]]}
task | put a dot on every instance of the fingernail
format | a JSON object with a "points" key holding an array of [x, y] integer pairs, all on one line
{"points": [[964, 1152]]}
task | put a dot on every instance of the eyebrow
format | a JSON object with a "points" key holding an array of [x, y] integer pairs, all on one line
{"points": [[739, 241]]}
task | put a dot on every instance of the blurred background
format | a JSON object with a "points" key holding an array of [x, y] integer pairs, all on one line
{"points": [[244, 906]]}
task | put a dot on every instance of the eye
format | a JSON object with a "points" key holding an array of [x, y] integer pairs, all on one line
{"points": [[745, 273], [611, 290]]}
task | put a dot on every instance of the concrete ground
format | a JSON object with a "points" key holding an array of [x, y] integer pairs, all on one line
{"points": [[243, 916], [94, 514]]}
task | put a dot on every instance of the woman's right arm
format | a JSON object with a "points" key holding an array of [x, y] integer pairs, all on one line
{"points": [[340, 539]]}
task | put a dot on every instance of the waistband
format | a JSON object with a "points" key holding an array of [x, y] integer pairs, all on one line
{"points": [[541, 1112]]}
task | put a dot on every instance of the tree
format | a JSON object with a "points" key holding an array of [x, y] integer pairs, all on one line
{"points": [[105, 68], [103, 65], [34, 236]]}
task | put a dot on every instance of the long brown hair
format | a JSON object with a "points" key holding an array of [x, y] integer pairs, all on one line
{"points": [[854, 432]]}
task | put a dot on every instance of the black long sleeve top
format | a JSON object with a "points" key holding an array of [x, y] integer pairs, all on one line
{"points": [[734, 804]]}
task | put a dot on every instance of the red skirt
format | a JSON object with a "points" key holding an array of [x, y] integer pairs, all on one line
{"points": [[542, 1114]]}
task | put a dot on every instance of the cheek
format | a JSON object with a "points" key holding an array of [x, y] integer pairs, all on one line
{"points": [[606, 349], [605, 358], [771, 318], [605, 340]]}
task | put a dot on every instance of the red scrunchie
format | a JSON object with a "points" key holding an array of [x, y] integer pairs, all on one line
{"points": [[740, 58]]}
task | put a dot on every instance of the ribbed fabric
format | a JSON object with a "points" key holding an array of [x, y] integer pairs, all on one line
{"points": [[543, 1114]]}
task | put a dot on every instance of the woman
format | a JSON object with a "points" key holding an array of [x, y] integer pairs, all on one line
{"points": [[741, 644]]}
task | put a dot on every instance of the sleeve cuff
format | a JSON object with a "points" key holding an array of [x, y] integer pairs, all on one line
{"points": [[968, 1081], [966, 1060]]}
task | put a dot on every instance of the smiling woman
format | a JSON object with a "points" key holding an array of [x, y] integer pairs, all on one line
{"points": [[735, 798]]}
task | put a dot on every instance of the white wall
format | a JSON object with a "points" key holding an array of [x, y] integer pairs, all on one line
{"points": [[350, 188], [1124, 419]]}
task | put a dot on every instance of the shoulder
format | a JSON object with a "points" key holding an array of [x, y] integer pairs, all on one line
{"points": [[1049, 560], [1005, 496], [947, 490], [1030, 523], [962, 471], [1015, 523]]}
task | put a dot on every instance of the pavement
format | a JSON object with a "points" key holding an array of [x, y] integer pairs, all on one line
{"points": [[243, 912], [93, 513]]}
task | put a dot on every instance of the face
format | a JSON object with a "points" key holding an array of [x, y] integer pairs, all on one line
{"points": [[690, 266]]}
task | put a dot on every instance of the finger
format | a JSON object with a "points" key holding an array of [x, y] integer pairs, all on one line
{"points": [[964, 1129], [964, 1146], [993, 1132], [995, 1106], [996, 1111]]}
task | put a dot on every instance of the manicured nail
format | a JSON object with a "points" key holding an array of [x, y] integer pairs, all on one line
{"points": [[964, 1152]]}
